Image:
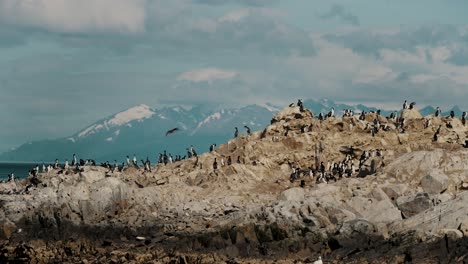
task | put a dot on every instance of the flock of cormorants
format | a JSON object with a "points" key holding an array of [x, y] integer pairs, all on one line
{"points": [[321, 173]]}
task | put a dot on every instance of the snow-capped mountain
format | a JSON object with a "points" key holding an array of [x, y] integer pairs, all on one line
{"points": [[137, 113], [141, 130]]}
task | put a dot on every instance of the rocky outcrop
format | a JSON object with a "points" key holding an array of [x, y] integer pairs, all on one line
{"points": [[411, 192], [410, 114]]}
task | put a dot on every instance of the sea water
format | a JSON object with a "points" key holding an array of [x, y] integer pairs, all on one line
{"points": [[19, 169]]}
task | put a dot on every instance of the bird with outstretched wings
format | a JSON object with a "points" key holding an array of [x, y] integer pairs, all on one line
{"points": [[172, 131]]}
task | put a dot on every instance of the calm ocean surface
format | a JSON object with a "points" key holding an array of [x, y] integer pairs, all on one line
{"points": [[19, 169]]}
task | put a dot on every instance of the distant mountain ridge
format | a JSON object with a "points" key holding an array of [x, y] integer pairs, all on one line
{"points": [[141, 130]]}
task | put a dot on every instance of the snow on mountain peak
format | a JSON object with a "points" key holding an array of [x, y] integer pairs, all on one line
{"points": [[214, 116], [137, 113], [270, 107]]}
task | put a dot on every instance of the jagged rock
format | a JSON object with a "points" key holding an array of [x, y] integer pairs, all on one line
{"points": [[413, 205], [435, 182]]}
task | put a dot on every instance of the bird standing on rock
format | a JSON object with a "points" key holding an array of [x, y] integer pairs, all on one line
{"points": [[247, 129], [438, 112], [318, 261], [212, 147], [405, 105]]}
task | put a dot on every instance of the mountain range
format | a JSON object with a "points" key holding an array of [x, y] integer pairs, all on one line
{"points": [[141, 130]]}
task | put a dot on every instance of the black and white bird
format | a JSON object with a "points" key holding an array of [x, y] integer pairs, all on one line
{"points": [[247, 129], [437, 112], [318, 261], [212, 147], [331, 113]]}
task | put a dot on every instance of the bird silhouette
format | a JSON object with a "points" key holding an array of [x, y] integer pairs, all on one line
{"points": [[172, 131]]}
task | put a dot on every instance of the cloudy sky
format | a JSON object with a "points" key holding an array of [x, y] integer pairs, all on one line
{"points": [[66, 63]]}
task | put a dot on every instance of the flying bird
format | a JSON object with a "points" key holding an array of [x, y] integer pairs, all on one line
{"points": [[172, 131]]}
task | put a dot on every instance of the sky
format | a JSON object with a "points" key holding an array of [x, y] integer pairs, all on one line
{"points": [[65, 64]]}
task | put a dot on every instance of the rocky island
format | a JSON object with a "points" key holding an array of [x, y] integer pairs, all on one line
{"points": [[403, 200]]}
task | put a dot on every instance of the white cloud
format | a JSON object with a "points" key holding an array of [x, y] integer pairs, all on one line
{"points": [[76, 15], [422, 78], [402, 57], [240, 2], [207, 75], [235, 16], [240, 14], [430, 63], [338, 71], [374, 73], [205, 25], [440, 54], [328, 68]]}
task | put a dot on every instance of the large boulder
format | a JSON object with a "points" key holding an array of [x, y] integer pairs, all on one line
{"points": [[435, 182], [413, 205]]}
